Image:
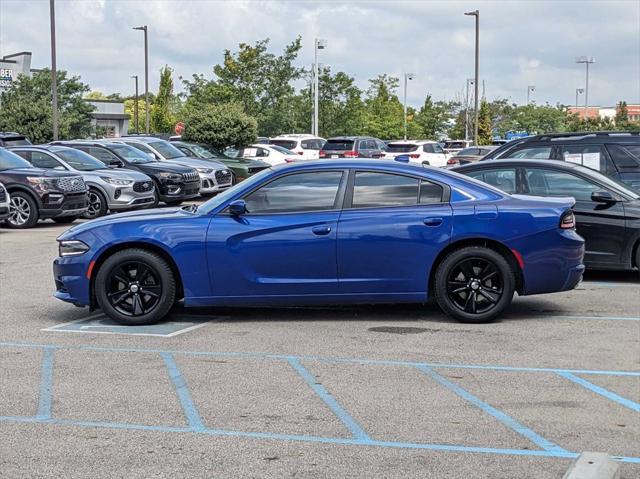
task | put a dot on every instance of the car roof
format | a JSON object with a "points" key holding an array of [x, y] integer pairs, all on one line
{"points": [[10, 134], [567, 165], [411, 142], [351, 138]]}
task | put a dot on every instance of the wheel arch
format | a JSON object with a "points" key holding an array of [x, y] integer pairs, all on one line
{"points": [[23, 189], [486, 243], [153, 248]]}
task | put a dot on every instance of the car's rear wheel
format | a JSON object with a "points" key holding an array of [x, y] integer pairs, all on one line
{"points": [[135, 286], [97, 205], [474, 284], [23, 211]]}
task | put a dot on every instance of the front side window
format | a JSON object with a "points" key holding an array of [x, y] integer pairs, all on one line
{"points": [[437, 148], [42, 160], [538, 153], [313, 191], [131, 154], [372, 190], [502, 178], [543, 182], [80, 160]]}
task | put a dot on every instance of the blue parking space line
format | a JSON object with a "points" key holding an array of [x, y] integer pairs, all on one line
{"points": [[386, 362], [634, 406], [188, 407], [499, 415], [329, 400], [595, 318], [310, 439], [46, 384]]}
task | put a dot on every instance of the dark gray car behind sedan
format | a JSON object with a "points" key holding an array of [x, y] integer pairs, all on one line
{"points": [[607, 211]]}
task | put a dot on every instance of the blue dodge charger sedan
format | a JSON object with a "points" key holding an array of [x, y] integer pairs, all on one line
{"points": [[332, 232]]}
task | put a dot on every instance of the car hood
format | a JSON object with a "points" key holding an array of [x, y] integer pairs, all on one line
{"points": [[168, 166], [120, 173], [131, 216], [197, 163]]}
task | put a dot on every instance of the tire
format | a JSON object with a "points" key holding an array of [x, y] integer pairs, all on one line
{"points": [[122, 281], [97, 205], [64, 220], [474, 284], [638, 259], [23, 211], [156, 198]]}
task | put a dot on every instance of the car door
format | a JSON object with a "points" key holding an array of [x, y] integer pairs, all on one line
{"points": [[601, 225], [285, 244], [389, 233]]}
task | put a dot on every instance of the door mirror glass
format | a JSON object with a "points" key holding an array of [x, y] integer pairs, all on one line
{"points": [[116, 164], [602, 197], [237, 207]]}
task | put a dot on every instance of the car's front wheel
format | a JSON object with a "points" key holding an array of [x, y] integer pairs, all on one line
{"points": [[474, 284], [23, 211], [135, 286], [97, 205]]}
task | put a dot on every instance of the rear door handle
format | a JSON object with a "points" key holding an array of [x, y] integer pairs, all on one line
{"points": [[321, 230], [432, 221]]}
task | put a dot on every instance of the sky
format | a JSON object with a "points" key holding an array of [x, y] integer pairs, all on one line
{"points": [[527, 42]]}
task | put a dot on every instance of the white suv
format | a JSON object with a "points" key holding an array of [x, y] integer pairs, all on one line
{"points": [[306, 146], [420, 152]]}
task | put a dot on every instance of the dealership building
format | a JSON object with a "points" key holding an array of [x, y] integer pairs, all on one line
{"points": [[11, 66]]}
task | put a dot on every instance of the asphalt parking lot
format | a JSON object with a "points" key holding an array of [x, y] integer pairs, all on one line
{"points": [[386, 391]]}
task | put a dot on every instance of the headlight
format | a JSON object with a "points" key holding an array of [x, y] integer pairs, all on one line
{"points": [[117, 181], [204, 170], [170, 176], [72, 248], [41, 183]]}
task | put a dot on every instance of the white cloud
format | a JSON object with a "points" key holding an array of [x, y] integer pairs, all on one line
{"points": [[522, 42]]}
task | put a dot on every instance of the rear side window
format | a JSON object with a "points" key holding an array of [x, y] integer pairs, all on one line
{"points": [[623, 156], [591, 156], [42, 160], [383, 189], [338, 145], [538, 153], [430, 193], [428, 148], [299, 192], [543, 182], [503, 178]]}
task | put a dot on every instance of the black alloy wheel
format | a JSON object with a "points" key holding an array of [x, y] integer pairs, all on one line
{"points": [[135, 286], [474, 284], [97, 205]]}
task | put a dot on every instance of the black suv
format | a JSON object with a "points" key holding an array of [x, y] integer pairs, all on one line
{"points": [[614, 154], [353, 147], [175, 183], [38, 194], [11, 138]]}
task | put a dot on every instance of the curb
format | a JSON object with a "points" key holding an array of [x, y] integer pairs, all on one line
{"points": [[593, 465]]}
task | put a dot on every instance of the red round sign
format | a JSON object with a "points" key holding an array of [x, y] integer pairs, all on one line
{"points": [[179, 128]]}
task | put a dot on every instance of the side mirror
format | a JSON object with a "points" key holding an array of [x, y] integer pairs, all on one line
{"points": [[237, 207], [602, 197], [116, 164]]}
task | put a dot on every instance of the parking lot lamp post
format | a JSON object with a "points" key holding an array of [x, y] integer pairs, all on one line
{"points": [[579, 91], [54, 71], [407, 77], [476, 13], [319, 45], [470, 81], [587, 61], [146, 77], [530, 89], [135, 105]]}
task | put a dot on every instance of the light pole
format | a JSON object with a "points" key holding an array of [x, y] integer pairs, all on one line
{"points": [[530, 89], [54, 71], [476, 13], [579, 91], [146, 77], [407, 77], [135, 106], [319, 44], [470, 81], [587, 61]]}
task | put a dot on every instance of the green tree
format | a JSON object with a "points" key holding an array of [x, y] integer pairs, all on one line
{"points": [[219, 126], [26, 107], [485, 126], [432, 121], [622, 115], [383, 114], [162, 114]]}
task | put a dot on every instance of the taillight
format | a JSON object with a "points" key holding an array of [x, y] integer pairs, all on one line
{"points": [[568, 221], [322, 153], [451, 161], [301, 153], [350, 154], [290, 160], [415, 156]]}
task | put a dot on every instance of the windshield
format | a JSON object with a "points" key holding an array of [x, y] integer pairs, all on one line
{"points": [[284, 151], [288, 144], [9, 160], [455, 144], [167, 150], [225, 195], [468, 151], [131, 154], [337, 145], [401, 147], [79, 160], [203, 152]]}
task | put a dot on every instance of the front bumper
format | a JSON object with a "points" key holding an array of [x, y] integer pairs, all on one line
{"points": [[138, 195], [179, 191], [72, 284], [215, 182], [72, 204]]}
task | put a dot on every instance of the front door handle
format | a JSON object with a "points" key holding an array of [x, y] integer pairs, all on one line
{"points": [[321, 230], [432, 221]]}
